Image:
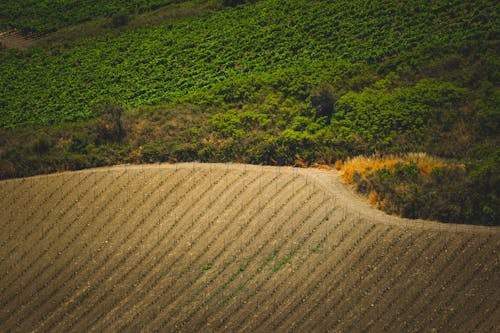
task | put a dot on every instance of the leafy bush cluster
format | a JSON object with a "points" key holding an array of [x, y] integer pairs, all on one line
{"points": [[447, 193]]}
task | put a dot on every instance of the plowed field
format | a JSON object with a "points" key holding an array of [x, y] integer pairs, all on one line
{"points": [[226, 248]]}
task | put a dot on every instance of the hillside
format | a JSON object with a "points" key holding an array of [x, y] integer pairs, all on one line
{"points": [[49, 15], [229, 247], [275, 82]]}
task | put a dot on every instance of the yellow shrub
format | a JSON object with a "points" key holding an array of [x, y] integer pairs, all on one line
{"points": [[367, 165]]}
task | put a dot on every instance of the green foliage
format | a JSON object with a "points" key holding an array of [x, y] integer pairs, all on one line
{"points": [[231, 55], [42, 144], [119, 19], [380, 118], [323, 100], [236, 2], [109, 127], [448, 194], [81, 143], [48, 15]]}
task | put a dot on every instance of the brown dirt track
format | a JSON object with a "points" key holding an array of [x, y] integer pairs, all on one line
{"points": [[228, 247]]}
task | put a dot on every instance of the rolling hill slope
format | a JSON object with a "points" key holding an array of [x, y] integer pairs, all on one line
{"points": [[225, 247]]}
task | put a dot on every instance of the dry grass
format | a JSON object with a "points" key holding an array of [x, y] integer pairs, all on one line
{"points": [[367, 165]]}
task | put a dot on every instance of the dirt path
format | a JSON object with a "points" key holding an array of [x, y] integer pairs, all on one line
{"points": [[330, 181], [15, 40]]}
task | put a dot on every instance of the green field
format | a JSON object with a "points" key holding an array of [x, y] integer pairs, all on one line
{"points": [[275, 82], [231, 55], [49, 15]]}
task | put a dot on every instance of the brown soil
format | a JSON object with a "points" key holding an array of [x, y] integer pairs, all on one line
{"points": [[15, 40], [228, 247]]}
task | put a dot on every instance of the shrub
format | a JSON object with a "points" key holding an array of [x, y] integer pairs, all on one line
{"points": [[80, 143], [323, 100], [7, 169], [41, 145], [120, 19], [232, 3], [422, 186], [109, 127]]}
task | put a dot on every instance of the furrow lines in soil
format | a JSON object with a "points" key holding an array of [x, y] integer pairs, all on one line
{"points": [[467, 276], [313, 266], [447, 279], [120, 306], [243, 208], [215, 259], [114, 311], [480, 310], [60, 271], [354, 288], [29, 207], [15, 234], [279, 279], [338, 257], [486, 323], [17, 190], [395, 285], [226, 191], [385, 280], [414, 292], [332, 286], [102, 244], [281, 291], [134, 251], [153, 297], [44, 232], [287, 237], [36, 243], [250, 270], [36, 281], [115, 257]]}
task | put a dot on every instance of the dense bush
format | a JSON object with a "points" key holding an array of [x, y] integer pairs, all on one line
{"points": [[448, 193], [119, 19], [236, 2]]}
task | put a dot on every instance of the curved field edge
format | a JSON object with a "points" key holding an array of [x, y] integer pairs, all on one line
{"points": [[230, 247]]}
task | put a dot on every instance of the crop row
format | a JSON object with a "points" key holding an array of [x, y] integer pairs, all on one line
{"points": [[133, 250], [459, 275], [16, 223], [235, 231], [217, 57], [46, 224], [407, 304], [142, 276], [88, 209], [386, 280], [283, 287], [249, 274], [107, 252], [36, 279], [156, 297], [44, 232]]}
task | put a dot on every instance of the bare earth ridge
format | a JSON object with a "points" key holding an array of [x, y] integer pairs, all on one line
{"points": [[232, 248]]}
